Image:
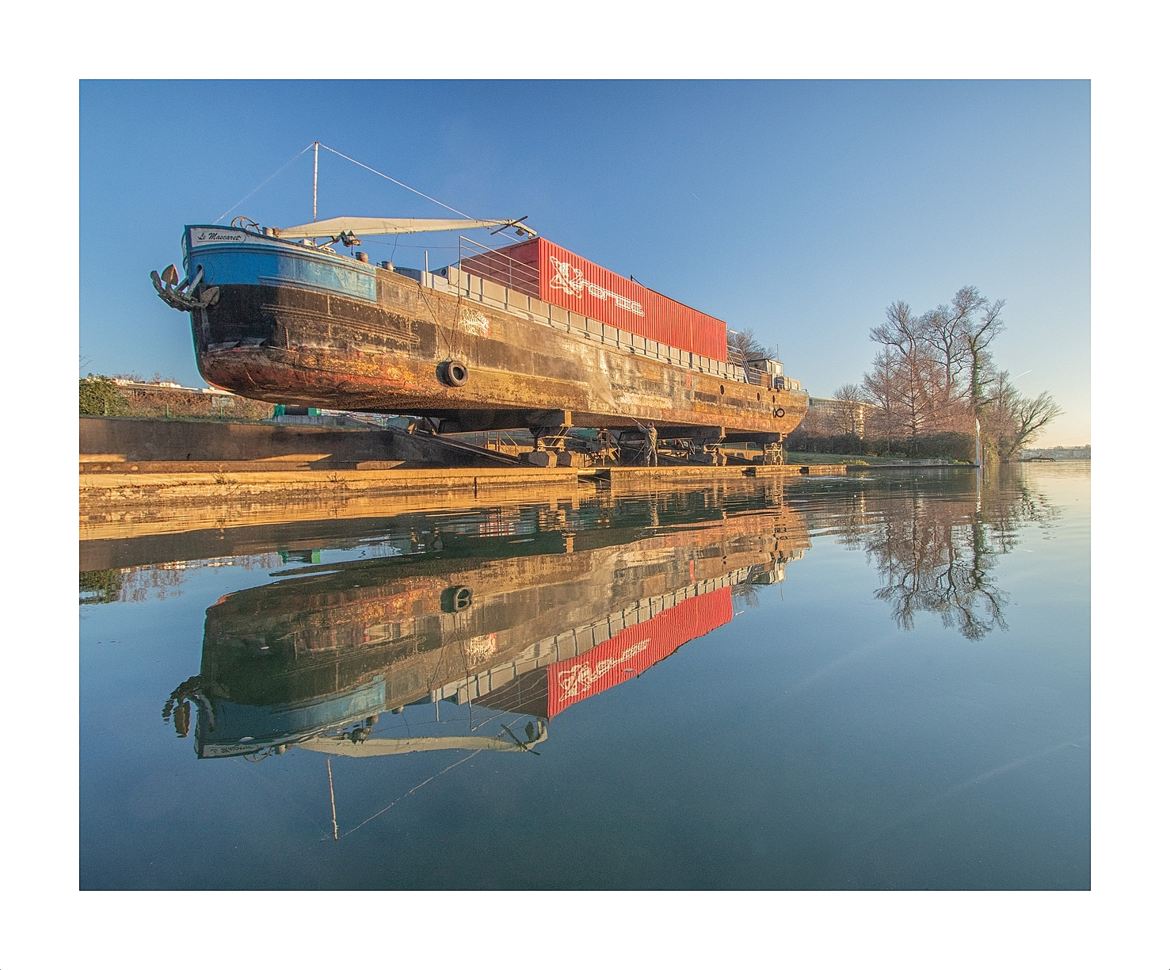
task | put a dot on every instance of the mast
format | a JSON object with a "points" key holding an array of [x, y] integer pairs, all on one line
{"points": [[332, 801], [316, 156]]}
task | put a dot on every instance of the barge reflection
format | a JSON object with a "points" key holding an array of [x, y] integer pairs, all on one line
{"points": [[527, 611], [523, 622]]}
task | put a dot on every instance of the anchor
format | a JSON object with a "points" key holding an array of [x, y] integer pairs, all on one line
{"points": [[186, 295]]}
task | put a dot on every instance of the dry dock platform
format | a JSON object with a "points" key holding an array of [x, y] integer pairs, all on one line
{"points": [[161, 477]]}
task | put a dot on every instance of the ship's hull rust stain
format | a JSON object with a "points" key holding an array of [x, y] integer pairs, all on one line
{"points": [[292, 345]]}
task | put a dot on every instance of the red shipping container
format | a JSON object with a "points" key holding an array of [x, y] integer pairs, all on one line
{"points": [[635, 649], [551, 273]]}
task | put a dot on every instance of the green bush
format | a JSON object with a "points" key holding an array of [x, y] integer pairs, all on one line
{"points": [[100, 585], [99, 395], [834, 444], [946, 444]]}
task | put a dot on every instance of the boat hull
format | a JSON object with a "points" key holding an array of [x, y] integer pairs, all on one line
{"points": [[343, 334]]}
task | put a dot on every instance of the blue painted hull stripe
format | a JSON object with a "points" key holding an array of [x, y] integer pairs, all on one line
{"points": [[255, 265]]}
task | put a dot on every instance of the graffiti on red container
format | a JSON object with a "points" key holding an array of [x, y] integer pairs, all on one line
{"points": [[569, 279], [581, 677]]}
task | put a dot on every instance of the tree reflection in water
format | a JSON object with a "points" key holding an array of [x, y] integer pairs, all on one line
{"points": [[936, 543]]}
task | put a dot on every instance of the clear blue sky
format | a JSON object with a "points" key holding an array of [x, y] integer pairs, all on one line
{"points": [[798, 209]]}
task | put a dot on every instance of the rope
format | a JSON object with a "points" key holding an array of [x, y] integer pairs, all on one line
{"points": [[425, 782], [450, 340], [265, 182], [350, 832], [390, 178], [439, 323], [368, 168]]}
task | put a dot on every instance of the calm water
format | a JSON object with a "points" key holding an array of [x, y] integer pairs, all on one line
{"points": [[846, 683]]}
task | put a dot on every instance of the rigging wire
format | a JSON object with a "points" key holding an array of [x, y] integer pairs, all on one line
{"points": [[348, 158], [410, 188], [422, 784], [390, 178], [265, 182]]}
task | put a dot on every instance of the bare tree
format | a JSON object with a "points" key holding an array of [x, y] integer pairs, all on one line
{"points": [[1011, 420], [880, 390], [977, 339], [1030, 415], [935, 372], [902, 332], [999, 400], [945, 329], [915, 372], [745, 344], [916, 381], [851, 409]]}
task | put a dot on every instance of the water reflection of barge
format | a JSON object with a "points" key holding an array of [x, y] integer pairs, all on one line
{"points": [[529, 624]]}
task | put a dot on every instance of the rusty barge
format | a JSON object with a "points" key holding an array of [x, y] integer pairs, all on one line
{"points": [[526, 336]]}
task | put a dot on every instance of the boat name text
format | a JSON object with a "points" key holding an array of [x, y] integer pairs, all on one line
{"points": [[201, 237]]}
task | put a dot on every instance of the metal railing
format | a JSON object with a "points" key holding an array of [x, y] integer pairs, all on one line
{"points": [[497, 266]]}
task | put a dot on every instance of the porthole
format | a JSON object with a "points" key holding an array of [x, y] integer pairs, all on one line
{"points": [[722, 389]]}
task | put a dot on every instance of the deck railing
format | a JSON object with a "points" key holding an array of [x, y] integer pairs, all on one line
{"points": [[497, 266]]}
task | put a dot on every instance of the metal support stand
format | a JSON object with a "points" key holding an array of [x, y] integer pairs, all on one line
{"points": [[548, 447], [713, 454]]}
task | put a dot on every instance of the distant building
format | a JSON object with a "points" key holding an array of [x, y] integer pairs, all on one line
{"points": [[169, 399], [830, 416], [1059, 453]]}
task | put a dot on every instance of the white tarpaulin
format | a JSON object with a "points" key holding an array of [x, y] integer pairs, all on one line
{"points": [[366, 226]]}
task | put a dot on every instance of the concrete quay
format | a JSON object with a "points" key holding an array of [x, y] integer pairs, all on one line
{"points": [[140, 477]]}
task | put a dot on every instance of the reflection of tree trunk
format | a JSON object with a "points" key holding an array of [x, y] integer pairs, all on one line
{"points": [[936, 553]]}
